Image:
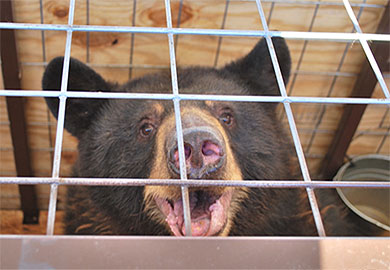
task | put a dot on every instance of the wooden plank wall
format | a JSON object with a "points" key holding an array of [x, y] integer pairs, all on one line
{"points": [[150, 54]]}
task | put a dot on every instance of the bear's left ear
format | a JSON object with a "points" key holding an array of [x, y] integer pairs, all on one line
{"points": [[256, 69], [80, 112]]}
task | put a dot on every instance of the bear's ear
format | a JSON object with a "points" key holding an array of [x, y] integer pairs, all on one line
{"points": [[256, 69], [79, 112]]}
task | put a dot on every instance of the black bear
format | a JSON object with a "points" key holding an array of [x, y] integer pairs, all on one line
{"points": [[127, 138]]}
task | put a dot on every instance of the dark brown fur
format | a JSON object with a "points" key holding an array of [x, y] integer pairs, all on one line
{"points": [[111, 147]]}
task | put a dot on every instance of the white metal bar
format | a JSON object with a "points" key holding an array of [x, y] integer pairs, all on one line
{"points": [[44, 60], [222, 27], [193, 183], [323, 108], [294, 132], [312, 3], [87, 36], [326, 36], [60, 124], [111, 95], [132, 38], [367, 50], [43, 32], [271, 11], [179, 129], [383, 140], [292, 84], [178, 22], [56, 164]]}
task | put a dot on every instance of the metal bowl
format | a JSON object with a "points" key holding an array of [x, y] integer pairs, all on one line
{"points": [[371, 204]]}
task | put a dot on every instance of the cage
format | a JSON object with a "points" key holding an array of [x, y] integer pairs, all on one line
{"points": [[336, 107]]}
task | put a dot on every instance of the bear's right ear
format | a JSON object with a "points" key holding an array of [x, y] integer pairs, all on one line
{"points": [[256, 70], [80, 112]]}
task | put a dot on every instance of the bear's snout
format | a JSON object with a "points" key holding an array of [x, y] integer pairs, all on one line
{"points": [[204, 149]]}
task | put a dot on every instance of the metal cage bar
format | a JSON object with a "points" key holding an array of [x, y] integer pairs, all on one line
{"points": [[191, 183], [303, 50], [331, 88], [178, 22], [176, 97], [293, 128], [60, 124], [118, 95], [179, 129], [305, 2], [367, 50], [87, 34], [364, 86], [220, 38], [44, 59], [327, 36], [133, 18]]}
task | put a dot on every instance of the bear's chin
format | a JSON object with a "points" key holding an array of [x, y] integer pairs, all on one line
{"points": [[209, 213]]}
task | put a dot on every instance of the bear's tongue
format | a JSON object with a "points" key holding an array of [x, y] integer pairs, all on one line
{"points": [[208, 216]]}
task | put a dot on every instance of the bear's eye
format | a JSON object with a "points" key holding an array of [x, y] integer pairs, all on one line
{"points": [[146, 129], [226, 118]]}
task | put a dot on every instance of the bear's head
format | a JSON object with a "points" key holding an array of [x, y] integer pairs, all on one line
{"points": [[136, 138]]}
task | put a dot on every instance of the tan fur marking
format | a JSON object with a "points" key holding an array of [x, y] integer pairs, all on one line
{"points": [[82, 227], [239, 195], [159, 109], [209, 103], [103, 227]]}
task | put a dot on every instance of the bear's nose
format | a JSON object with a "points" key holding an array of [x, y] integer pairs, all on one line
{"points": [[204, 152]]}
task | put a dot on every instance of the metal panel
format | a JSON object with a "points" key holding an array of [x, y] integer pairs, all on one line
{"points": [[54, 252]]}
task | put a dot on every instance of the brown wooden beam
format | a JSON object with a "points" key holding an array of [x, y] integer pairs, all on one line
{"points": [[16, 115], [363, 88]]}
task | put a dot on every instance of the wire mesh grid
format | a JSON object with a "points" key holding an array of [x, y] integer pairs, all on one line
{"points": [[173, 34]]}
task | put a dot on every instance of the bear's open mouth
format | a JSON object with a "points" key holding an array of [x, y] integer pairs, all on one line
{"points": [[209, 213]]}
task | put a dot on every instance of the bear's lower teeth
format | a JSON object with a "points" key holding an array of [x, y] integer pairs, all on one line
{"points": [[208, 213]]}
